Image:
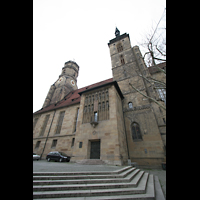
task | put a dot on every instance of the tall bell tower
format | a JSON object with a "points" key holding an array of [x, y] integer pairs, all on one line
{"points": [[142, 116], [127, 66], [66, 83]]}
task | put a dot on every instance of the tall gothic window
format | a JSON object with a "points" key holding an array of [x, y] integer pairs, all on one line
{"points": [[161, 91], [136, 134], [60, 121], [162, 94], [122, 59], [44, 125], [96, 108], [35, 122], [107, 105], [76, 119]]}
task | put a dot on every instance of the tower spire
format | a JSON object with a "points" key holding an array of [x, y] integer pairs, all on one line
{"points": [[117, 32]]}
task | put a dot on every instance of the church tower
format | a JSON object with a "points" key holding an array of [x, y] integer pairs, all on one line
{"points": [[141, 116], [127, 65], [66, 82]]}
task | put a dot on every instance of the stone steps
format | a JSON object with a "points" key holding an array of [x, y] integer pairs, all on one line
{"points": [[127, 183], [91, 186], [102, 192], [80, 173], [91, 162], [86, 176], [128, 178]]}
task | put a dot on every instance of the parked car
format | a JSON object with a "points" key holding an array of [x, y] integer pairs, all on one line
{"points": [[35, 156], [58, 156]]}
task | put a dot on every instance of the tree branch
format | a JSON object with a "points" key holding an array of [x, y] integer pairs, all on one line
{"points": [[145, 79], [159, 69], [159, 59], [159, 87], [156, 26], [160, 51], [156, 81], [145, 55], [147, 97]]}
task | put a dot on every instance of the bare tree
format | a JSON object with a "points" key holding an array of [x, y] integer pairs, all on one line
{"points": [[155, 43], [155, 46]]}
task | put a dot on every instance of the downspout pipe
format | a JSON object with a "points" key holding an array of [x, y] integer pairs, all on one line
{"points": [[48, 134]]}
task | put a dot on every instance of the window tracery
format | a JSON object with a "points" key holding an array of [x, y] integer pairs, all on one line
{"points": [[97, 102], [136, 133]]}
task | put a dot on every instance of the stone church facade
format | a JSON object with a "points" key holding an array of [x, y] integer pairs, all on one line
{"points": [[107, 120]]}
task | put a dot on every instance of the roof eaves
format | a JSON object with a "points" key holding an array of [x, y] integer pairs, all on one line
{"points": [[118, 38], [55, 108], [103, 85], [62, 103]]}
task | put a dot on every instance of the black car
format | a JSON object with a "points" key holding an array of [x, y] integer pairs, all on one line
{"points": [[58, 156]]}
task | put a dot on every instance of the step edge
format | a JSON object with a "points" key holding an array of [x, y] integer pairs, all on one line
{"points": [[83, 181], [86, 181], [158, 189], [84, 172], [140, 189]]}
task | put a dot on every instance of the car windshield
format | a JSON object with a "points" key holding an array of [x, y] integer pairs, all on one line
{"points": [[63, 154]]}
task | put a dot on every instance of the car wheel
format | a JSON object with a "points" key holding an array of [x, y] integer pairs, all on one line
{"points": [[48, 159], [60, 160]]}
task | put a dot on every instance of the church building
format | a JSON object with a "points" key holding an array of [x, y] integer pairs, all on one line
{"points": [[109, 120]]}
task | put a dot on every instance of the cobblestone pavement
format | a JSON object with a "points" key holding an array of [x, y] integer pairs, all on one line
{"points": [[44, 166]]}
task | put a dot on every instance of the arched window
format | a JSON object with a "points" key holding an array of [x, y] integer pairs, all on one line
{"points": [[136, 134], [130, 104], [122, 59]]}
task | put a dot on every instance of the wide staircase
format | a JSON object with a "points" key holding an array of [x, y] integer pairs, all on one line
{"points": [[126, 183], [91, 162]]}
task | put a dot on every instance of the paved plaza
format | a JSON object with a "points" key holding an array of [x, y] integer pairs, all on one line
{"points": [[44, 166]]}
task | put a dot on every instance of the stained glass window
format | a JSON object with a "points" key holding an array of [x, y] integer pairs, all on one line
{"points": [[136, 134]]}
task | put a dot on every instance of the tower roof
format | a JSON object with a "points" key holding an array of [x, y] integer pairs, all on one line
{"points": [[69, 62], [118, 38]]}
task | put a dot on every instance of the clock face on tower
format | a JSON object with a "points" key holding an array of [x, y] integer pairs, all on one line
{"points": [[73, 82]]}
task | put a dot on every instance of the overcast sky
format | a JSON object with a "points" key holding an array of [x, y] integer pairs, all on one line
{"points": [[79, 30]]}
